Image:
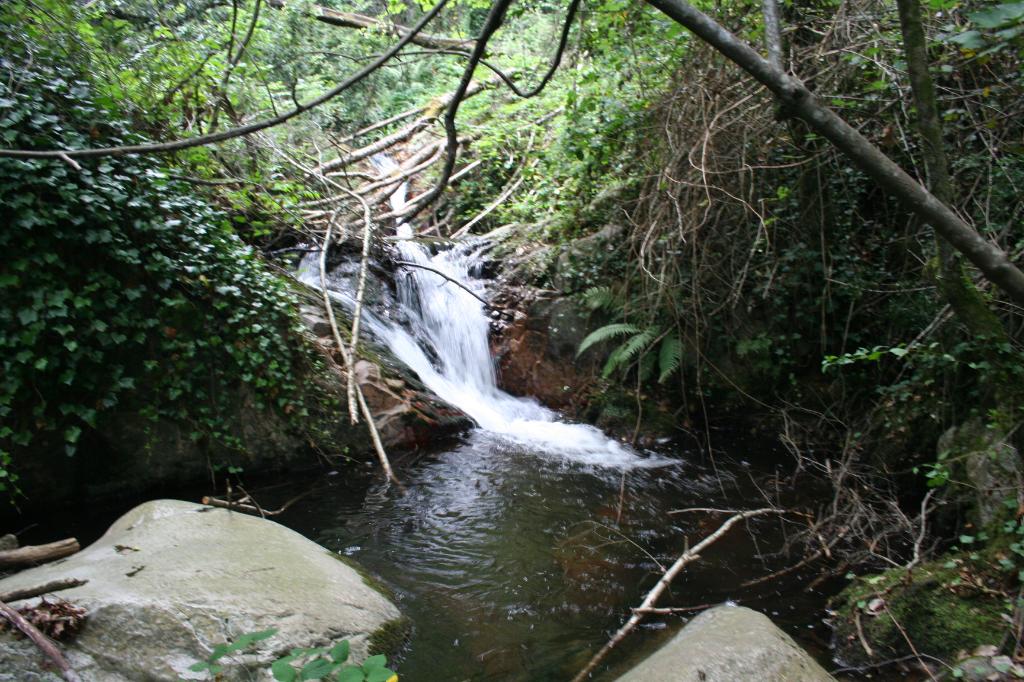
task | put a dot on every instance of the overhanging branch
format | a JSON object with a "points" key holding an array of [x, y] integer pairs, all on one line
{"points": [[240, 131], [798, 101]]}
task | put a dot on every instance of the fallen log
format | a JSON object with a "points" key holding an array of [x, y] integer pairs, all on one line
{"points": [[431, 112], [38, 554], [361, 21]]}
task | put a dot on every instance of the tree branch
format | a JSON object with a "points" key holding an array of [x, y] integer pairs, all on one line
{"points": [[40, 640], [798, 100], [687, 557]]}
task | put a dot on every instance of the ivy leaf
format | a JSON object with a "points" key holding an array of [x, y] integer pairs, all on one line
{"points": [[340, 651]]}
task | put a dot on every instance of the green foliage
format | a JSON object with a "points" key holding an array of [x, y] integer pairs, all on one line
{"points": [[605, 333], [315, 663], [861, 355], [636, 348], [120, 289], [211, 664], [601, 298], [990, 30]]}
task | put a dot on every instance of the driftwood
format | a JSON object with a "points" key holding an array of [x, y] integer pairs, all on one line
{"points": [[687, 557], [243, 506], [46, 588], [361, 21], [38, 554], [40, 640]]}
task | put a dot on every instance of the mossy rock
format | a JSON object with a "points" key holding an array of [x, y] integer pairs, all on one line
{"points": [[390, 638], [939, 606]]}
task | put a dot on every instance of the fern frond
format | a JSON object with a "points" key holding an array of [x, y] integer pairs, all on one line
{"points": [[670, 356], [600, 298], [609, 331], [640, 342], [613, 362]]}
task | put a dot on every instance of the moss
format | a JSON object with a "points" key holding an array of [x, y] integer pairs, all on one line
{"points": [[369, 580], [939, 605], [390, 638]]}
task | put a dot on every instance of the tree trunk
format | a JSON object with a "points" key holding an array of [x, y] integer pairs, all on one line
{"points": [[958, 290]]}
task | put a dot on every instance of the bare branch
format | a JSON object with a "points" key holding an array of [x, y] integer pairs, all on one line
{"points": [[687, 557], [40, 640]]}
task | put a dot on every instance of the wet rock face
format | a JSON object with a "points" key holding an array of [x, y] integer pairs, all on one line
{"points": [[406, 414], [725, 644], [170, 580], [536, 353]]}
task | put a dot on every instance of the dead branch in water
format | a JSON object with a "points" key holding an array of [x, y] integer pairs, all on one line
{"points": [[687, 557], [242, 504], [382, 455], [40, 640], [437, 272]]}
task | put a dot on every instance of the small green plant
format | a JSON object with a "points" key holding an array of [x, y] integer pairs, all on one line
{"points": [[638, 348], [316, 663]]}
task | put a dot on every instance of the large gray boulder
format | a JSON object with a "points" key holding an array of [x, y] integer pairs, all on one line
{"points": [[170, 580], [729, 644]]}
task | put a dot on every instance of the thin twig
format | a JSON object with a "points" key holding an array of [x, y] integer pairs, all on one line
{"points": [[687, 557], [441, 274]]}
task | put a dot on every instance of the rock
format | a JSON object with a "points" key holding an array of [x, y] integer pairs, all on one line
{"points": [[725, 644], [537, 353], [991, 466], [170, 580], [581, 259], [930, 609], [988, 668]]}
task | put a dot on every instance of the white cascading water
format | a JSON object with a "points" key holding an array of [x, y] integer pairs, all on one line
{"points": [[451, 326]]}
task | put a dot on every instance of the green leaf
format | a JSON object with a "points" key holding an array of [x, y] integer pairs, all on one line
{"points": [[966, 539], [609, 331], [375, 662], [351, 674], [282, 670], [317, 669], [379, 675], [340, 651]]}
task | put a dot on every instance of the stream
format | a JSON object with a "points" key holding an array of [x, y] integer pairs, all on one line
{"points": [[517, 551]]}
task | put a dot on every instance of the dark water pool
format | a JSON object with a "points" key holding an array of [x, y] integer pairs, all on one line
{"points": [[517, 565]]}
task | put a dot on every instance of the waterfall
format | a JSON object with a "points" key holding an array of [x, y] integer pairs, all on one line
{"points": [[444, 340]]}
